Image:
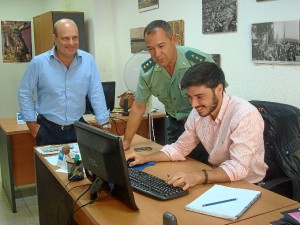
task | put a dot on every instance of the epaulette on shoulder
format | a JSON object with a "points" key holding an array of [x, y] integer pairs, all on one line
{"points": [[194, 57], [148, 65]]}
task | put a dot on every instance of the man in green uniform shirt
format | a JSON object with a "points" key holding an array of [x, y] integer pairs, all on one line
{"points": [[160, 76]]}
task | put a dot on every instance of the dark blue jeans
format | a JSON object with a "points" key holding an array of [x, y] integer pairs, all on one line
{"points": [[51, 133], [174, 129]]}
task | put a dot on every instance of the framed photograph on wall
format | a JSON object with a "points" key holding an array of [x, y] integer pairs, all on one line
{"points": [[276, 42], [146, 5], [219, 16], [217, 59], [16, 41], [137, 42], [178, 29]]}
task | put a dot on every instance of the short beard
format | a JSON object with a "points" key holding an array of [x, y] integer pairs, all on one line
{"points": [[213, 106]]}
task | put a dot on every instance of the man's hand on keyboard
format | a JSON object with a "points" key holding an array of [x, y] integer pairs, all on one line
{"points": [[184, 180]]}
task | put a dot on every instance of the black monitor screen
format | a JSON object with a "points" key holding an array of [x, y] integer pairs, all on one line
{"points": [[109, 88], [102, 154]]}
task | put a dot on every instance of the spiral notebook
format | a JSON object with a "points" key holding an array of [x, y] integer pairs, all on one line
{"points": [[224, 202]]}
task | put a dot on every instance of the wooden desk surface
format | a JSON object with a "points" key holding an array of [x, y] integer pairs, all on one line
{"points": [[111, 211], [10, 126], [265, 219]]}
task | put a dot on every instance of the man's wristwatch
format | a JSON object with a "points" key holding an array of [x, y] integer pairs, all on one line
{"points": [[106, 126]]}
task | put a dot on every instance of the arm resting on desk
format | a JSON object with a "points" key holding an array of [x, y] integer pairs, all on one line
{"points": [[135, 117]]}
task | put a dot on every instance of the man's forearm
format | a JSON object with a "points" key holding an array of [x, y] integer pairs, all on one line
{"points": [[135, 118]]}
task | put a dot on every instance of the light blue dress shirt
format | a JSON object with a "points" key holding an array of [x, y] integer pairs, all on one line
{"points": [[61, 91]]}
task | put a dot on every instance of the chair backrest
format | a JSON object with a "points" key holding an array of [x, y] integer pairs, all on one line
{"points": [[282, 140]]}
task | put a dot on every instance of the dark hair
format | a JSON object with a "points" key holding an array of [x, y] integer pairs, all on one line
{"points": [[151, 27], [203, 73]]}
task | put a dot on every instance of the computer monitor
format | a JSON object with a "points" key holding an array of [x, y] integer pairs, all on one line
{"points": [[109, 88], [103, 155]]}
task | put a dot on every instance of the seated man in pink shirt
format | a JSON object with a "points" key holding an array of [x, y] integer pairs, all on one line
{"points": [[230, 129]]}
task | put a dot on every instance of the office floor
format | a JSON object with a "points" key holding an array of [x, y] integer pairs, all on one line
{"points": [[27, 208]]}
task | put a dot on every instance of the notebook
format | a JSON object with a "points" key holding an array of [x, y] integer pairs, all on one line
{"points": [[224, 202]]}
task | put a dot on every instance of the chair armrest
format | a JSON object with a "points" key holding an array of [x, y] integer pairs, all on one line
{"points": [[274, 182]]}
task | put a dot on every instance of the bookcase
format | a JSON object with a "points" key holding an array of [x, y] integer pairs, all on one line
{"points": [[43, 29]]}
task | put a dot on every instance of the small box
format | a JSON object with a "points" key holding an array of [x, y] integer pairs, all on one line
{"points": [[20, 118]]}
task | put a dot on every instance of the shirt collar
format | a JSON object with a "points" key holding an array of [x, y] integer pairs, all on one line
{"points": [[223, 108]]}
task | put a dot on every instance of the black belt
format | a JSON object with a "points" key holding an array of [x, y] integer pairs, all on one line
{"points": [[42, 120]]}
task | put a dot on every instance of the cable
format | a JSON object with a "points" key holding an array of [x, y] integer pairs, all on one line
{"points": [[90, 202], [74, 204], [153, 134], [64, 198], [93, 201]]}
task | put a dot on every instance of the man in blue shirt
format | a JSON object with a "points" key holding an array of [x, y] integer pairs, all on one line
{"points": [[62, 78]]}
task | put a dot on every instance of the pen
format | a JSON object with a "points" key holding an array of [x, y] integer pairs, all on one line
{"points": [[219, 202]]}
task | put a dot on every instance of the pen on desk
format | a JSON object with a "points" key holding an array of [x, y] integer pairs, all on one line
{"points": [[219, 202]]}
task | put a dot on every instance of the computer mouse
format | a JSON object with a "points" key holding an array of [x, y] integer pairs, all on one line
{"points": [[129, 161]]}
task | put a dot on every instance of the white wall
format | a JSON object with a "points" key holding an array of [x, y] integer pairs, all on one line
{"points": [[108, 24], [251, 81], [11, 73]]}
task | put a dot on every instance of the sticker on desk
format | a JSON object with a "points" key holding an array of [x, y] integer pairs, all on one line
{"points": [[54, 149], [49, 149]]}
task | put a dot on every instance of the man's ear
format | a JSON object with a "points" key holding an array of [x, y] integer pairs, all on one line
{"points": [[54, 38], [174, 39], [220, 88]]}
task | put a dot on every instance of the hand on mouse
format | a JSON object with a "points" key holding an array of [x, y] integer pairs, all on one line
{"points": [[129, 161]]}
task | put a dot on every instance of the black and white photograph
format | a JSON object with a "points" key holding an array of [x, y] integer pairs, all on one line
{"points": [[276, 42], [146, 5], [219, 16]]}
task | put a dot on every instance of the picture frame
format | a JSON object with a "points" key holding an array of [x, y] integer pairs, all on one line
{"points": [[276, 42], [146, 5], [219, 16]]}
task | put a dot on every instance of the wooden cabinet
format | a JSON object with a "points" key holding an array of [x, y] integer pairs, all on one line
{"points": [[43, 29]]}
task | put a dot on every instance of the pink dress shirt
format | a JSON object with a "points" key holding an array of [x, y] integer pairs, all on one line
{"points": [[234, 140]]}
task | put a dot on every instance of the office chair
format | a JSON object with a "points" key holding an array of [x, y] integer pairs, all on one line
{"points": [[282, 147]]}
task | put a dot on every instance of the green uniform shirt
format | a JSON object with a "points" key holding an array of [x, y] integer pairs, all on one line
{"points": [[155, 80]]}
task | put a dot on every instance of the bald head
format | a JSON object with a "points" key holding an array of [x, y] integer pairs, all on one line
{"points": [[63, 23]]}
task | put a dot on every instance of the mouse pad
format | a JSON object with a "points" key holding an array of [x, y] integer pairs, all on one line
{"points": [[143, 166]]}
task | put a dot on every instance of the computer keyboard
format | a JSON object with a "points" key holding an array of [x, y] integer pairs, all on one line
{"points": [[153, 186]]}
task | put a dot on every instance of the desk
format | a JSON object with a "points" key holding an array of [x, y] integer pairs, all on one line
{"points": [[119, 125], [16, 157], [50, 187], [16, 149], [268, 217]]}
